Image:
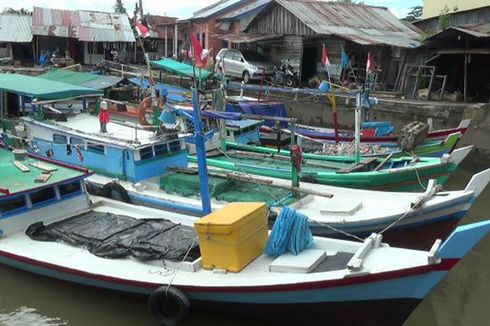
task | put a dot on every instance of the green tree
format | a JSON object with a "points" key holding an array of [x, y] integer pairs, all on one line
{"points": [[119, 7], [21, 11], [444, 19], [414, 14]]}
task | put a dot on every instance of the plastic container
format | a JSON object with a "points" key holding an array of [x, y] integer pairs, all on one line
{"points": [[324, 86], [232, 237], [19, 154]]}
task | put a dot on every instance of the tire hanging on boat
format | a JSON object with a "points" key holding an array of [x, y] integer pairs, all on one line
{"points": [[142, 107], [169, 305], [114, 190]]}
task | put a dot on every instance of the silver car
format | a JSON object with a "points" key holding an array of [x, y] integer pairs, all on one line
{"points": [[247, 65]]}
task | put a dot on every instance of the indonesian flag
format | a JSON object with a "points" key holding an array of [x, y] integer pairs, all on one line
{"points": [[369, 64], [325, 61], [142, 30], [200, 56]]}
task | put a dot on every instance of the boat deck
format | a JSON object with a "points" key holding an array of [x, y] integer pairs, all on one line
{"points": [[15, 180]]}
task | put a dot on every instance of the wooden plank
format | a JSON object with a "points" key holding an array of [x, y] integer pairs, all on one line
{"points": [[357, 167], [386, 159], [42, 166], [43, 177], [20, 166]]}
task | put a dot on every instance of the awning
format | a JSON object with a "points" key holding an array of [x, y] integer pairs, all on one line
{"points": [[249, 38], [42, 88], [180, 68], [82, 79]]}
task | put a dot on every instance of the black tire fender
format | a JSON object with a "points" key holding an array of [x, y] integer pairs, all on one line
{"points": [[169, 305], [113, 187]]}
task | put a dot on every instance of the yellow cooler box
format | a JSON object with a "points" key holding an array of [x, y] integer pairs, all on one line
{"points": [[232, 237]]}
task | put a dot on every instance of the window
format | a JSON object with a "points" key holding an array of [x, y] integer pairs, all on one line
{"points": [[96, 148], [76, 141], [174, 146], [69, 188], [161, 149], [146, 153], [60, 139], [12, 204], [41, 196]]}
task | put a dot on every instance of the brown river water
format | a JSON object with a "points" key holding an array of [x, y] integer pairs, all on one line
{"points": [[463, 298]]}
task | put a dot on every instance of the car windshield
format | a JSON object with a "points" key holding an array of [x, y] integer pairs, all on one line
{"points": [[253, 56]]}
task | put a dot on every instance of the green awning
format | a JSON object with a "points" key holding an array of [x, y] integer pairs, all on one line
{"points": [[180, 68], [82, 78], [43, 89]]}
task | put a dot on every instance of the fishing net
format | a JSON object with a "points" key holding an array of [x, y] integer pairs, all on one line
{"points": [[222, 188]]}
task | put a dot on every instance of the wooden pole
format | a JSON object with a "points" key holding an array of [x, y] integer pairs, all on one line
{"points": [[465, 76], [166, 42]]}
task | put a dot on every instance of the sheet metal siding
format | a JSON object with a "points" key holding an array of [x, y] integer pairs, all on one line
{"points": [[104, 27], [15, 28], [280, 21], [55, 22], [477, 16]]}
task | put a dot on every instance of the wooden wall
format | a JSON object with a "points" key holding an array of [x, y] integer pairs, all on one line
{"points": [[280, 21]]}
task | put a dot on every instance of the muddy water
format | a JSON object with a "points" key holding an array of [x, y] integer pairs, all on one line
{"points": [[463, 298]]}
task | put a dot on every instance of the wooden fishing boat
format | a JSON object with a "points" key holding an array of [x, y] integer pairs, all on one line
{"points": [[435, 148], [54, 229], [329, 134], [163, 180], [404, 173]]}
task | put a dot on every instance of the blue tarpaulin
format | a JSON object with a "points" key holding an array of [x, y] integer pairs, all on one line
{"points": [[260, 108], [175, 94]]}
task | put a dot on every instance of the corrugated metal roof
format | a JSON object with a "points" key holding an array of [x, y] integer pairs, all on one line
{"points": [[215, 8], [250, 8], [55, 22], [104, 27], [249, 38], [15, 28], [359, 23], [91, 26]]}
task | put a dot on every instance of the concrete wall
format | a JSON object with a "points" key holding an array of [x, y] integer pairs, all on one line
{"points": [[433, 8], [400, 112]]}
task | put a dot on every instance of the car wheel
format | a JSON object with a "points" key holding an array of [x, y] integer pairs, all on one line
{"points": [[246, 77]]}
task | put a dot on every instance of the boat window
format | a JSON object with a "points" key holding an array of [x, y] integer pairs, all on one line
{"points": [[96, 148], [12, 204], [59, 139], [69, 188], [174, 146], [146, 153], [161, 149], [41, 196], [76, 141]]}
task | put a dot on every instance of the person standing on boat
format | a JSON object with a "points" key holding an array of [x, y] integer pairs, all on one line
{"points": [[104, 117]]}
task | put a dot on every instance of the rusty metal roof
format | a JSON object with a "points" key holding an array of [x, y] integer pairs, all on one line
{"points": [[248, 9], [55, 22], [104, 27], [15, 28], [90, 26], [361, 24]]}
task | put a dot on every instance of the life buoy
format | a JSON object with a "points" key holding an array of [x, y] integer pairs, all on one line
{"points": [[115, 191], [169, 305], [142, 107], [297, 157]]}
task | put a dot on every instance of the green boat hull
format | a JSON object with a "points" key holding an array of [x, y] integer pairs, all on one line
{"points": [[393, 176]]}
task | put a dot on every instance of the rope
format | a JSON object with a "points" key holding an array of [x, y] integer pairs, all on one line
{"points": [[180, 265], [350, 235]]}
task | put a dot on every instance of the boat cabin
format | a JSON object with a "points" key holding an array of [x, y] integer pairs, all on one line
{"points": [[126, 152], [31, 186]]}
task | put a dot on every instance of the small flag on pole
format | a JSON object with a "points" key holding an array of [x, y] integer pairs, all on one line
{"points": [[325, 61], [142, 30], [369, 64], [200, 56]]}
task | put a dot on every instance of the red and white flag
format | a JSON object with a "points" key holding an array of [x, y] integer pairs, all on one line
{"points": [[370, 64], [200, 56], [325, 61], [142, 30]]}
